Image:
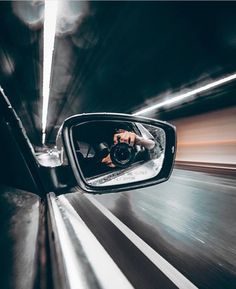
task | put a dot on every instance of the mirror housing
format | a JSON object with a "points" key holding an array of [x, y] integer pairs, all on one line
{"points": [[67, 138]]}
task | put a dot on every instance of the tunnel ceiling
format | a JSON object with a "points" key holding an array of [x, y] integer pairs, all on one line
{"points": [[112, 56]]}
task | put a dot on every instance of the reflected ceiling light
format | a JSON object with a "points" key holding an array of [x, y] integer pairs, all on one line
{"points": [[50, 18], [183, 96]]}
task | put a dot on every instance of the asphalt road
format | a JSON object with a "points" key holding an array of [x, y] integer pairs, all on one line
{"points": [[189, 221]]}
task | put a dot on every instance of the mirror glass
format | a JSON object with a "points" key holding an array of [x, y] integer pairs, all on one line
{"points": [[113, 152]]}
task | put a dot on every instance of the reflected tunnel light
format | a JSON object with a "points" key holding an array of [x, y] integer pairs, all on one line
{"points": [[183, 96], [50, 18]]}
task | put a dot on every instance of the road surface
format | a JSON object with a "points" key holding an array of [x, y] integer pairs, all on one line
{"points": [[189, 221]]}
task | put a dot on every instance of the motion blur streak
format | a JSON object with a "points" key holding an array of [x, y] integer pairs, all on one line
{"points": [[30, 12], [174, 275], [188, 220], [7, 65], [183, 96], [50, 17], [210, 137]]}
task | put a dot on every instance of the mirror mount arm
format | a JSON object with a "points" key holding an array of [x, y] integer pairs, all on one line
{"points": [[58, 180]]}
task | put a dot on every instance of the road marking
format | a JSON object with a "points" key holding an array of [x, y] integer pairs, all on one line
{"points": [[102, 264], [199, 240], [173, 274]]}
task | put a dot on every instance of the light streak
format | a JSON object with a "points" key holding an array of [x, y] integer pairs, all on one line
{"points": [[183, 96], [50, 19]]}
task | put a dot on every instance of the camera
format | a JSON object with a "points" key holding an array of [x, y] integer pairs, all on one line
{"points": [[122, 154]]}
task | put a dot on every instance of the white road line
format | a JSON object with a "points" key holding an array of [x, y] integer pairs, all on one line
{"points": [[107, 272], [199, 240], [173, 274]]}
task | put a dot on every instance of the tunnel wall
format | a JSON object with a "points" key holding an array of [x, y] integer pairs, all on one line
{"points": [[209, 137]]}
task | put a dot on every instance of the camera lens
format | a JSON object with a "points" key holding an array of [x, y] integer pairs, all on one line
{"points": [[122, 154]]}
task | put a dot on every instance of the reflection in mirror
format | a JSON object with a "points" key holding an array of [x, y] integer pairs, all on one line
{"points": [[112, 152]]}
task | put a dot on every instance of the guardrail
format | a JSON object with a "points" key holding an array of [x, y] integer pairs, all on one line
{"points": [[216, 168]]}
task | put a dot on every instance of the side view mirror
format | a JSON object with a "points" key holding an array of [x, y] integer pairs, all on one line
{"points": [[110, 152]]}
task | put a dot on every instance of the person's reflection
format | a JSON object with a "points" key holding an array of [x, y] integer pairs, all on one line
{"points": [[97, 160], [132, 139]]}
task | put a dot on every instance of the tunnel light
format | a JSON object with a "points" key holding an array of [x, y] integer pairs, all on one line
{"points": [[50, 18], [183, 96]]}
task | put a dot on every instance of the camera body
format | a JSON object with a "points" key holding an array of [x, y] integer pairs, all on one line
{"points": [[122, 154]]}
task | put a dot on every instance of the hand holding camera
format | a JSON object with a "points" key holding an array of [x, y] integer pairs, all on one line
{"points": [[125, 137], [122, 153]]}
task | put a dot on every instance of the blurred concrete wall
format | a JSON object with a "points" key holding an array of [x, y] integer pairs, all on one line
{"points": [[209, 137]]}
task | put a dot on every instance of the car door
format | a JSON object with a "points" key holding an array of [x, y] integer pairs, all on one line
{"points": [[22, 207]]}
